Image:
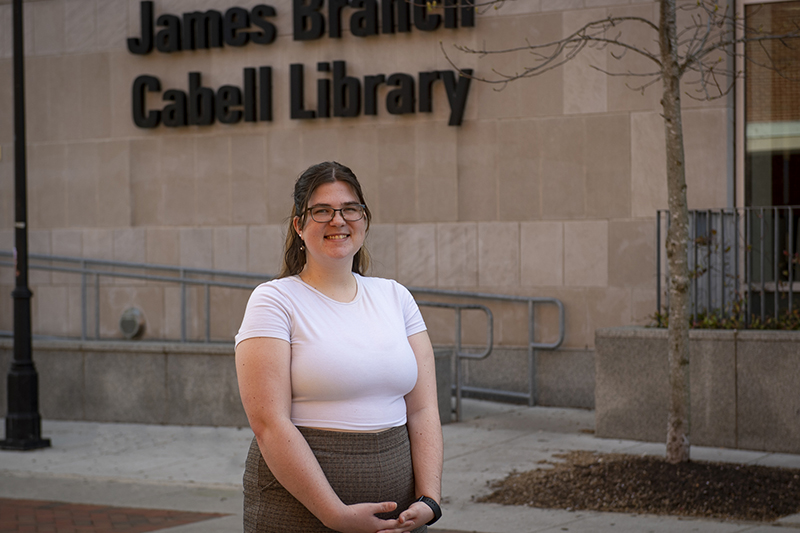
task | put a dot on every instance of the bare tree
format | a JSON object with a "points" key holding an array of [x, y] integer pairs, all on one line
{"points": [[693, 41]]}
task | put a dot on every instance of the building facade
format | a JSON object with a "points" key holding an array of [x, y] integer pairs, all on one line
{"points": [[171, 132]]}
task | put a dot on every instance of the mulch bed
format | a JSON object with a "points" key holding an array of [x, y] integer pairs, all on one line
{"points": [[650, 485]]}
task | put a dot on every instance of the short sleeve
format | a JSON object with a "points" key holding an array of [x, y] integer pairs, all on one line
{"points": [[411, 313], [267, 315]]}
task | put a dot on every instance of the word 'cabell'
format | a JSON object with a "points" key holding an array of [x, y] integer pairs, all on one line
{"points": [[337, 94]]}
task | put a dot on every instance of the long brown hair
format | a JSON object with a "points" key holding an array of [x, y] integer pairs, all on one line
{"points": [[294, 257]]}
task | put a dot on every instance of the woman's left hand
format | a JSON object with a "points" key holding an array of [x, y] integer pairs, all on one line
{"points": [[415, 516]]}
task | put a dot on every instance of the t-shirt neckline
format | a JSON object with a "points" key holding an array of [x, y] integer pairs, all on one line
{"points": [[328, 298]]}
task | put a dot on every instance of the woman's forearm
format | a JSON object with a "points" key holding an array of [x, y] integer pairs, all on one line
{"points": [[294, 465], [425, 435]]}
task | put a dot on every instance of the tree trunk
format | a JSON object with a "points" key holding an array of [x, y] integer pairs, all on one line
{"points": [[677, 242]]}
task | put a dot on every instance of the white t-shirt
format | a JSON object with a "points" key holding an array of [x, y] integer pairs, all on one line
{"points": [[352, 364]]}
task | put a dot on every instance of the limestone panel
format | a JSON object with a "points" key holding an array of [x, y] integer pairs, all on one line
{"points": [[162, 246], [69, 243], [518, 173], [608, 166], [561, 5], [477, 182], [197, 247], [499, 101], [113, 184], [75, 304], [437, 171], [562, 164], [7, 208], [648, 164], [6, 38], [6, 312], [586, 253], [709, 157], [248, 186], [39, 243], [79, 25], [416, 254], [517, 7], [213, 167], [81, 175], [95, 96], [542, 253], [64, 114], [623, 91], [112, 24], [457, 254], [643, 306], [397, 174], [498, 254], [577, 333], [382, 245], [145, 182], [48, 27], [608, 307], [123, 70], [51, 311], [319, 144], [631, 254], [230, 248], [285, 151], [265, 249], [541, 95], [179, 181], [227, 309], [130, 245], [126, 389], [115, 299], [38, 126], [47, 205], [98, 244], [6, 101], [358, 150], [585, 87]]}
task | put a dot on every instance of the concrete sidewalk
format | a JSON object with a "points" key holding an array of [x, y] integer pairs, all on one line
{"points": [[199, 469]]}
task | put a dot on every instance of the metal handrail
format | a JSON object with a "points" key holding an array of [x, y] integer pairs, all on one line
{"points": [[182, 275], [458, 353], [533, 344]]}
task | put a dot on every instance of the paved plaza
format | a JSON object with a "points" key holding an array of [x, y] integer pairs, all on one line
{"points": [[178, 479]]}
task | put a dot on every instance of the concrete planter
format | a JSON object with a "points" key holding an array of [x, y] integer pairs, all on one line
{"points": [[745, 387]]}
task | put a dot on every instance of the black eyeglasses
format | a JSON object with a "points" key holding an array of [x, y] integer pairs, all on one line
{"points": [[350, 213]]}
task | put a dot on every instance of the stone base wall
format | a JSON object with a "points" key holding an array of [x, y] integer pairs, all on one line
{"points": [[195, 384], [743, 387]]}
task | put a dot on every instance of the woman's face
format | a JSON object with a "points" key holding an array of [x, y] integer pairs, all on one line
{"points": [[337, 240]]}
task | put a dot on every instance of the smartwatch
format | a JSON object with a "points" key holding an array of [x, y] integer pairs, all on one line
{"points": [[437, 511]]}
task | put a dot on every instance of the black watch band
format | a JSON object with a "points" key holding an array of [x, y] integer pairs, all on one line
{"points": [[437, 511]]}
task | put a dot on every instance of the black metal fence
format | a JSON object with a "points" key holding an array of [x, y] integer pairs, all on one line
{"points": [[742, 261]]}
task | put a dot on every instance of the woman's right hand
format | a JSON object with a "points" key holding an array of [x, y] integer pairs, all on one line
{"points": [[360, 518]]}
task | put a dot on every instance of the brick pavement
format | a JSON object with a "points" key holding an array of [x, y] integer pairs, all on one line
{"points": [[18, 516]]}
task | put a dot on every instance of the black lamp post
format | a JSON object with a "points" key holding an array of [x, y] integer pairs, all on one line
{"points": [[23, 422]]}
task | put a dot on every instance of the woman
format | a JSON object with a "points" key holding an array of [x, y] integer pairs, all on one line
{"points": [[336, 375]]}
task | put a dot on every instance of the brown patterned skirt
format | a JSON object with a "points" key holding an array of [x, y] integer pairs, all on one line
{"points": [[361, 467]]}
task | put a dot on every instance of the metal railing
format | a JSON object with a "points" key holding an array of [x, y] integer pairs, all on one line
{"points": [[741, 260], [92, 270], [532, 346]]}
